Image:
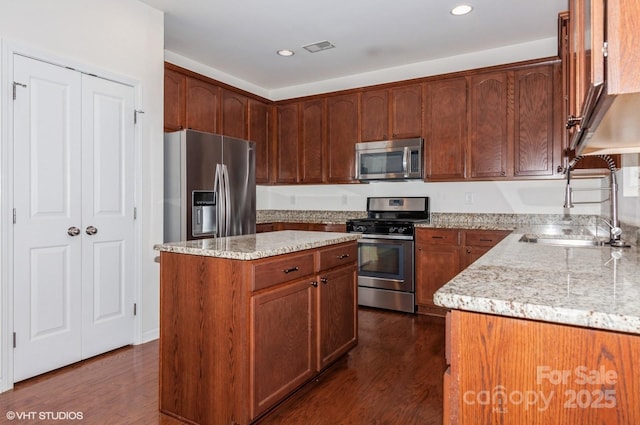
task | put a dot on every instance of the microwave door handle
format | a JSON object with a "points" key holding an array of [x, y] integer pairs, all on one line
{"points": [[405, 162]]}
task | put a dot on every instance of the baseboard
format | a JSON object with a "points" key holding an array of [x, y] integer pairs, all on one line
{"points": [[150, 335]]}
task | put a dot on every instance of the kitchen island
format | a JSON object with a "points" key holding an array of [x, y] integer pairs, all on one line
{"points": [[247, 320], [544, 334]]}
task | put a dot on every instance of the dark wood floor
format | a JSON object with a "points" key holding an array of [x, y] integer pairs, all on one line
{"points": [[393, 377]]}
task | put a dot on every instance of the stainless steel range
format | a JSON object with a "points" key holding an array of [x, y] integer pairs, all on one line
{"points": [[386, 272]]}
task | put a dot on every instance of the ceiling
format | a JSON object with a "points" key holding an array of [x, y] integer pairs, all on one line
{"points": [[240, 37]]}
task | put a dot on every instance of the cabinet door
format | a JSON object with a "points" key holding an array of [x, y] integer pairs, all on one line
{"points": [[437, 260], [258, 131], [479, 242], [534, 144], [288, 133], [406, 111], [174, 100], [234, 114], [283, 342], [445, 129], [342, 135], [489, 135], [338, 322], [312, 141], [435, 266], [203, 106], [374, 114]]}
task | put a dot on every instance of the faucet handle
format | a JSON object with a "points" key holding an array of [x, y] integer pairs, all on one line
{"points": [[615, 230]]}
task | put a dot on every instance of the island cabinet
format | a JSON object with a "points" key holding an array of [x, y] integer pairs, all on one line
{"points": [[506, 370], [443, 253], [238, 336]]}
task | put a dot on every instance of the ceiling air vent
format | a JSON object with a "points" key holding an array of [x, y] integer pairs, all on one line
{"points": [[316, 47]]}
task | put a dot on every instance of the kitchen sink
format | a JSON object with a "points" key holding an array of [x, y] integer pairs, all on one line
{"points": [[563, 240]]}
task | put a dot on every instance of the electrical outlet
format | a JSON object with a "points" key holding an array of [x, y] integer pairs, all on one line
{"points": [[468, 198]]}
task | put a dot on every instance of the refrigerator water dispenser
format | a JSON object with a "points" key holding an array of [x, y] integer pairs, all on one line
{"points": [[203, 213]]}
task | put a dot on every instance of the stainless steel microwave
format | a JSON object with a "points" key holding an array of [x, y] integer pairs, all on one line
{"points": [[389, 160]]}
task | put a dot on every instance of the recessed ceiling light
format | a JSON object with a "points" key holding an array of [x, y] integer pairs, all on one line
{"points": [[285, 52], [463, 9]]}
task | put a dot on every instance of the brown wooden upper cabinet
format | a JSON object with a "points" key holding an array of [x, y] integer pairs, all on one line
{"points": [[489, 136], [494, 125], [394, 113], [445, 129], [174, 100], [234, 114], [258, 131], [538, 125], [287, 135], [342, 135], [406, 111], [312, 141], [203, 106], [601, 29], [374, 113]]}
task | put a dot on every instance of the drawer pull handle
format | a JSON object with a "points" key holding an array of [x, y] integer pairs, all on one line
{"points": [[343, 256], [292, 269], [486, 240], [437, 237]]}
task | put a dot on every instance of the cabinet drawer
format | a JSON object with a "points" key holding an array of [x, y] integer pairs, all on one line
{"points": [[438, 236], [338, 255], [273, 271], [484, 238]]}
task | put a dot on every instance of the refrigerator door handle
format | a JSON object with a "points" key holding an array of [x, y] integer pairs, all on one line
{"points": [[227, 200], [217, 189]]}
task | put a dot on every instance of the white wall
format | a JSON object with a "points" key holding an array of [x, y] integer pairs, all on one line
{"points": [[124, 38], [520, 197], [628, 191]]}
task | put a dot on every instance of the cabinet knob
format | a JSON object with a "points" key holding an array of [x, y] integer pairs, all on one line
{"points": [[324, 280], [314, 284], [468, 251]]}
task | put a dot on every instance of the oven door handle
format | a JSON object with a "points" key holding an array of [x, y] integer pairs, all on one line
{"points": [[391, 237]]}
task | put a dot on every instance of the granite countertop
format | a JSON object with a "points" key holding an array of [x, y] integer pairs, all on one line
{"points": [[261, 245], [594, 287]]}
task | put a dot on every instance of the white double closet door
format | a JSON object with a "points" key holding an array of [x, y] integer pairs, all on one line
{"points": [[73, 193]]}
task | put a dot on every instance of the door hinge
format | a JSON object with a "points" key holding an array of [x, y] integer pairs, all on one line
{"points": [[14, 340], [14, 216], [135, 115], [135, 213], [605, 49], [135, 309], [15, 84]]}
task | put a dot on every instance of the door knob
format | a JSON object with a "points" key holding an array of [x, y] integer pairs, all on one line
{"points": [[73, 231], [91, 230]]}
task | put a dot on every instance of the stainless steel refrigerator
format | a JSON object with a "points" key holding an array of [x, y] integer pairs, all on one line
{"points": [[209, 186]]}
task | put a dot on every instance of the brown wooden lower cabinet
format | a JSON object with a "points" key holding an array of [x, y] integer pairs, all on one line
{"points": [[443, 253], [233, 346], [505, 370]]}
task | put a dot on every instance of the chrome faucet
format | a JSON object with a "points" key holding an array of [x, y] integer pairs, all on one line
{"points": [[615, 231]]}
